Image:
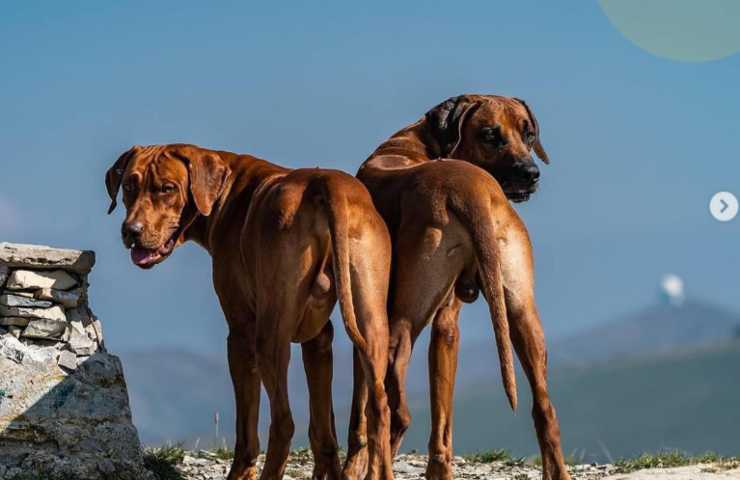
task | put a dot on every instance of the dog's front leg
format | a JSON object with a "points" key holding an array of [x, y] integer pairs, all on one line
{"points": [[244, 375]]}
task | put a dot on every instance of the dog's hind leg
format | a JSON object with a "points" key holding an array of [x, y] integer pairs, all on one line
{"points": [[425, 276], [273, 356], [355, 465], [370, 306], [443, 350], [529, 343], [243, 367], [402, 339], [318, 364]]}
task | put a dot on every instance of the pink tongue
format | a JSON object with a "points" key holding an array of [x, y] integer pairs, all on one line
{"points": [[141, 255]]}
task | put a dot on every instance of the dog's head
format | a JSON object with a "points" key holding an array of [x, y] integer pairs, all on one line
{"points": [[165, 189], [496, 133]]}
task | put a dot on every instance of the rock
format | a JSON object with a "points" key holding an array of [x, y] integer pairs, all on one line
{"points": [[11, 473], [68, 299], [203, 465], [44, 328], [407, 468], [21, 293], [39, 256], [67, 360], [106, 466], [11, 300], [65, 425], [15, 321], [691, 472], [79, 342], [53, 313], [95, 331], [3, 275], [39, 357], [64, 411], [33, 280], [11, 348], [79, 314]]}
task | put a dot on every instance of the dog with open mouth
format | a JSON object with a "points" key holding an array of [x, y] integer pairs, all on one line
{"points": [[443, 186], [286, 246]]}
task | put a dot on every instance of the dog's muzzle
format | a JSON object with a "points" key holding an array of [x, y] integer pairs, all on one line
{"points": [[520, 181]]}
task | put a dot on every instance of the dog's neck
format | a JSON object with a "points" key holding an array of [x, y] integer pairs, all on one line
{"points": [[248, 174]]}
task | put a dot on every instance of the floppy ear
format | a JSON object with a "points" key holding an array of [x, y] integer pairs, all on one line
{"points": [[538, 148], [114, 175], [446, 122], [208, 175]]}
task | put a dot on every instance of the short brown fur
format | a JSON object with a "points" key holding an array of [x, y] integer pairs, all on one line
{"points": [[453, 232], [285, 245]]}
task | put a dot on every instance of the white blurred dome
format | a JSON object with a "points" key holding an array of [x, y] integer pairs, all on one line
{"points": [[672, 289]]}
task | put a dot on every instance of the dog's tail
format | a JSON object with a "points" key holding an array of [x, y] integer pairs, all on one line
{"points": [[337, 210], [478, 221]]}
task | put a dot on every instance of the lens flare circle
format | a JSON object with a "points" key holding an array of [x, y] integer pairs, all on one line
{"points": [[683, 30]]}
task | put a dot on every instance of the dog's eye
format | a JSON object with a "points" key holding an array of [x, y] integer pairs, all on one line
{"points": [[128, 187], [529, 137], [493, 136], [168, 188]]}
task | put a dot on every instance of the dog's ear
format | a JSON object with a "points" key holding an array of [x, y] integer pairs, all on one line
{"points": [[446, 122], [208, 176], [538, 148], [114, 175]]}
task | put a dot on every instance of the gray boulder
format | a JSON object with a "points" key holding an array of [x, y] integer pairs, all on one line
{"points": [[64, 406]]}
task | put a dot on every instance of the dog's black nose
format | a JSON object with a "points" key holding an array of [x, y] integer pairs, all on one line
{"points": [[134, 228], [130, 231], [532, 173], [527, 171]]}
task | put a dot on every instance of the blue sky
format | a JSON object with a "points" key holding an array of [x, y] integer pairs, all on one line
{"points": [[638, 143]]}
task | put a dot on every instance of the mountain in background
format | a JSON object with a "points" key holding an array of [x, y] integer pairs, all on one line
{"points": [[661, 328], [665, 376], [687, 401], [175, 396]]}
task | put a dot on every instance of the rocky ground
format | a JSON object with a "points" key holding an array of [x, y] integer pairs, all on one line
{"points": [[206, 466], [405, 467]]}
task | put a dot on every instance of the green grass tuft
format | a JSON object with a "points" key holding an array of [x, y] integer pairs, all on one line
{"points": [[163, 461], [489, 456], [222, 453]]}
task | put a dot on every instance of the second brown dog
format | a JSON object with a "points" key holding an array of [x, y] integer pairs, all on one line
{"points": [[454, 232]]}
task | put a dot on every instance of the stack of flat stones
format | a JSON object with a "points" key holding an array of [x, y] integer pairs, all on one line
{"points": [[64, 408], [43, 301]]}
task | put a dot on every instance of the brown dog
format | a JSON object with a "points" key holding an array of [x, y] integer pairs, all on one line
{"points": [[285, 245], [454, 231]]}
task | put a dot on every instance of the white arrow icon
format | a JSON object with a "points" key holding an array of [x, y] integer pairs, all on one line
{"points": [[723, 206]]}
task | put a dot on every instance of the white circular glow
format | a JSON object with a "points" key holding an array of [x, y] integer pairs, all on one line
{"points": [[672, 288], [684, 30]]}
